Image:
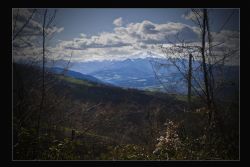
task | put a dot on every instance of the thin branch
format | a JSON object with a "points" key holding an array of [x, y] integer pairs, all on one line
{"points": [[157, 77], [24, 25], [51, 19]]}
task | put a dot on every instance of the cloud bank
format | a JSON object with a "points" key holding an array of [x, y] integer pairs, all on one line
{"points": [[127, 41]]}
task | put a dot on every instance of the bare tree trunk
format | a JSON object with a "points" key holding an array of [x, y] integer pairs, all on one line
{"points": [[43, 79], [204, 65], [189, 80], [213, 113]]}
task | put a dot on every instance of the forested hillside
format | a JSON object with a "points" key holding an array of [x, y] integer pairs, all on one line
{"points": [[107, 122]]}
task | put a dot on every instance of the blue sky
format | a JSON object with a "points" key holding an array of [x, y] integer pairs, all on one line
{"points": [[115, 34], [92, 21]]}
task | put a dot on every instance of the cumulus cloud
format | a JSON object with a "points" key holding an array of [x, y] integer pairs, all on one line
{"points": [[130, 40], [148, 27], [118, 22], [27, 44], [33, 30], [123, 41], [83, 35], [140, 36]]}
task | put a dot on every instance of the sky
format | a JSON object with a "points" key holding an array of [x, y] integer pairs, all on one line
{"points": [[93, 21], [118, 33]]}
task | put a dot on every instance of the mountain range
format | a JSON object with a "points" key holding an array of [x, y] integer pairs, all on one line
{"points": [[138, 73], [129, 73]]}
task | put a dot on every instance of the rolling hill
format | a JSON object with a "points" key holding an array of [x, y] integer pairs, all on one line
{"points": [[74, 74]]}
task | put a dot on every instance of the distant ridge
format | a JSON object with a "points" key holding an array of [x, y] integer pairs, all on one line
{"points": [[74, 74]]}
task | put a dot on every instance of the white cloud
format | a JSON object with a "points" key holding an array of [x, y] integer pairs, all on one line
{"points": [[28, 45], [118, 22], [126, 41], [33, 30], [83, 35]]}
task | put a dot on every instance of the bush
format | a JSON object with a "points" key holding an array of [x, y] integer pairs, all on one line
{"points": [[62, 150], [26, 144], [128, 152], [208, 146]]}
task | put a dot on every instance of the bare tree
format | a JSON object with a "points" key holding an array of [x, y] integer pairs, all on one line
{"points": [[16, 32], [189, 80], [204, 66], [198, 76], [43, 77]]}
